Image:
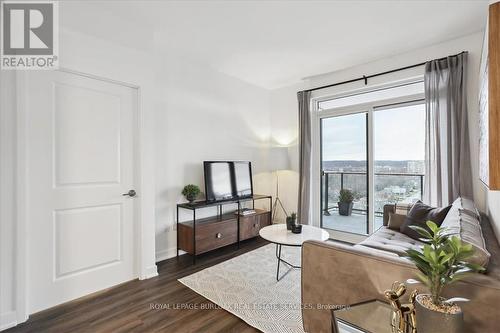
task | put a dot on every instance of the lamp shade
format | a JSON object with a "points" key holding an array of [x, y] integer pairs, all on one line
{"points": [[279, 158]]}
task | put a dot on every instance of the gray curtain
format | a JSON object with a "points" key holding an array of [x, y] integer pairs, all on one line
{"points": [[304, 207], [448, 163]]}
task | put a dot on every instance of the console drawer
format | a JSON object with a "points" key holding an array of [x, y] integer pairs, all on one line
{"points": [[251, 224], [210, 236], [218, 231], [265, 219]]}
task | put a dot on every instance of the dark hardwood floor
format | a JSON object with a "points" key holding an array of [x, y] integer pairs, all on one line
{"points": [[159, 304]]}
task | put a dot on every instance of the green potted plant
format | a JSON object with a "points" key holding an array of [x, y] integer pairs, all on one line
{"points": [[291, 220], [191, 192], [441, 262], [346, 197]]}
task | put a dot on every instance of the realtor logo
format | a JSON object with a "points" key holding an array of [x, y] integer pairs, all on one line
{"points": [[29, 35]]}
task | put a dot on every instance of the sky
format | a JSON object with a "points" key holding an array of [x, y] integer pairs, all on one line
{"points": [[399, 134]]}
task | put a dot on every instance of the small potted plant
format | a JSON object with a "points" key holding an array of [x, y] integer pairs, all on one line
{"points": [[291, 220], [191, 192], [346, 197], [441, 262]]}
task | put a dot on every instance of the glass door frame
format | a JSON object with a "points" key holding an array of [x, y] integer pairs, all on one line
{"points": [[369, 108], [343, 113]]}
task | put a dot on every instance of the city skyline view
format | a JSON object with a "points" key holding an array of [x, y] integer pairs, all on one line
{"points": [[394, 182], [398, 155]]}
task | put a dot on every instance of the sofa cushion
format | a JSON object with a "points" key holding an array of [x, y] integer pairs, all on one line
{"points": [[419, 214], [392, 241], [461, 223], [397, 208], [396, 221], [402, 208], [467, 206]]}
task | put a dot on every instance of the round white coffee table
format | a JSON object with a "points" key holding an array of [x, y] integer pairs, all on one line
{"points": [[277, 234]]}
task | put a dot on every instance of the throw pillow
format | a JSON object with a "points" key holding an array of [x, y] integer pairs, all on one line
{"points": [[396, 221], [419, 214]]}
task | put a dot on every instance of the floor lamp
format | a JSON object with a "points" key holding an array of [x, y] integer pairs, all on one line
{"points": [[279, 161]]}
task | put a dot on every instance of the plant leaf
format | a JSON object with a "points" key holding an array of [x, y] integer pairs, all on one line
{"points": [[433, 226], [421, 231], [475, 267], [457, 299]]}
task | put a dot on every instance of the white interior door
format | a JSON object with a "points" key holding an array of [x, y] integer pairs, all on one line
{"points": [[80, 161]]}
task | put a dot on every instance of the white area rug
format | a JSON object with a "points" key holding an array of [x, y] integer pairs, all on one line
{"points": [[246, 286]]}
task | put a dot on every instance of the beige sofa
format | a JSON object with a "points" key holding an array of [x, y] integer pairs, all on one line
{"points": [[337, 274]]}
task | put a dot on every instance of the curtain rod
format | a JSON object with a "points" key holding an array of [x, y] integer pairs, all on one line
{"points": [[366, 77]]}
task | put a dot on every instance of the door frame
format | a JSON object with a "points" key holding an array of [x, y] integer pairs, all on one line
{"points": [[368, 108], [22, 233], [368, 112]]}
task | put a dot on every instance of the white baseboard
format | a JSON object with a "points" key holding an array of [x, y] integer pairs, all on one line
{"points": [[8, 320], [151, 271], [167, 254]]}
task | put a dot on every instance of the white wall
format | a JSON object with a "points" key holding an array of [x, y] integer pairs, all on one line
{"points": [[284, 105], [493, 210], [8, 316], [203, 115], [284, 132]]}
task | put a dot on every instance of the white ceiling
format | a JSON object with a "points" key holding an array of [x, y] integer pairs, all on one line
{"points": [[276, 43]]}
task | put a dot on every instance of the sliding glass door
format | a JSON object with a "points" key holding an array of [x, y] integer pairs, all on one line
{"points": [[344, 170], [399, 150], [371, 153]]}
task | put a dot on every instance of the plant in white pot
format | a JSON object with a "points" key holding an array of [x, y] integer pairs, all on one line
{"points": [[441, 262]]}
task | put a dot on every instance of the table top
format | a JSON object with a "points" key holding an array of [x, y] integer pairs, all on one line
{"points": [[277, 233], [366, 317], [204, 204]]}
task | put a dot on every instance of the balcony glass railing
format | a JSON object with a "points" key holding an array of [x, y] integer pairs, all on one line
{"points": [[388, 188]]}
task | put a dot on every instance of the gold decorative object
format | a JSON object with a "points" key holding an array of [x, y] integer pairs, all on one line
{"points": [[403, 318]]}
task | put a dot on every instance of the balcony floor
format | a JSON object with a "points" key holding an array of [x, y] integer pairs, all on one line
{"points": [[356, 223]]}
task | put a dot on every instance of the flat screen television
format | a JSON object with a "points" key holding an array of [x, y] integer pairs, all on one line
{"points": [[227, 180]]}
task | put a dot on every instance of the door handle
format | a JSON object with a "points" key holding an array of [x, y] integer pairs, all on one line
{"points": [[130, 193]]}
